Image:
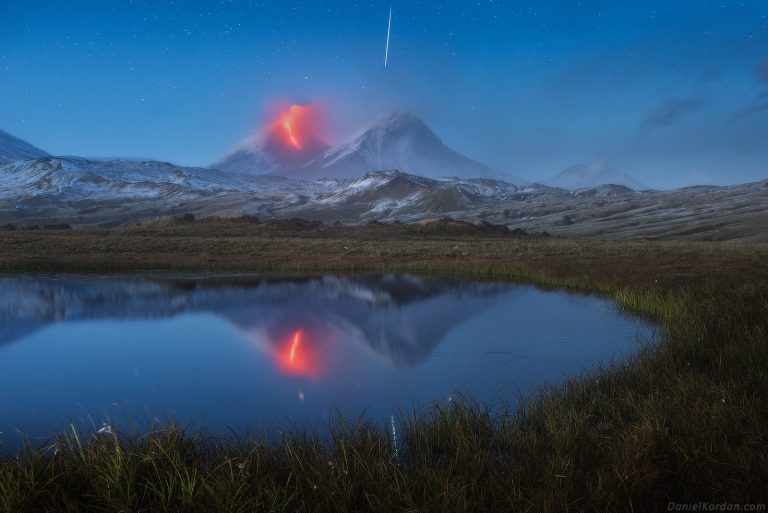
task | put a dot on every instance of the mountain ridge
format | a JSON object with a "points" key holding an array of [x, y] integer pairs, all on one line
{"points": [[13, 149], [87, 193]]}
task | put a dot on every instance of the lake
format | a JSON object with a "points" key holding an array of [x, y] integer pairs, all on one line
{"points": [[228, 352]]}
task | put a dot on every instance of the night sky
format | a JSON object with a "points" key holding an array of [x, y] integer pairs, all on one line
{"points": [[671, 92]]}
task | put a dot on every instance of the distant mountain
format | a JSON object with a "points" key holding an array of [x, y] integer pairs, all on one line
{"points": [[398, 141], [13, 149], [583, 176]]}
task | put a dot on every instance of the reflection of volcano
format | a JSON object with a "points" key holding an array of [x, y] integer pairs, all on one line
{"points": [[401, 318]]}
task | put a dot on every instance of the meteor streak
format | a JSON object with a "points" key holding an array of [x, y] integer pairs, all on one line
{"points": [[389, 30]]}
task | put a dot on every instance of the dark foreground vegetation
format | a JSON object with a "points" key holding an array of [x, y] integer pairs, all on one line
{"points": [[684, 421]]}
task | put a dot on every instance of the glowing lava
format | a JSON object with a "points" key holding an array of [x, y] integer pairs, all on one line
{"points": [[292, 135], [297, 125], [289, 121]]}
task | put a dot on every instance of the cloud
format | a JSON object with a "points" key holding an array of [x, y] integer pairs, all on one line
{"points": [[762, 71], [759, 104], [669, 113]]}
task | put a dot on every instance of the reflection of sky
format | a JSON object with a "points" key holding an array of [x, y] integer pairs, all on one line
{"points": [[222, 371]]}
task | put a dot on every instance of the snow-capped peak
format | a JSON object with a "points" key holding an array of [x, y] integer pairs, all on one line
{"points": [[397, 140], [582, 176]]}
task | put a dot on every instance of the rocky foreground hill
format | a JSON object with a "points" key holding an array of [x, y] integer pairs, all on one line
{"points": [[84, 193]]}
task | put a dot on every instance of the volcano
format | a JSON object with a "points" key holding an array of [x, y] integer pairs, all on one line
{"points": [[396, 140], [281, 147]]}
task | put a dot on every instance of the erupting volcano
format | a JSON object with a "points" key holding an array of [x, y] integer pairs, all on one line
{"points": [[296, 127], [291, 138], [292, 144]]}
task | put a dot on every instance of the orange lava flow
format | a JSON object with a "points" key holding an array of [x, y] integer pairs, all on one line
{"points": [[291, 121], [291, 136]]}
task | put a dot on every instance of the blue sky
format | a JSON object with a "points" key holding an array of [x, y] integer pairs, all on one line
{"points": [[672, 93]]}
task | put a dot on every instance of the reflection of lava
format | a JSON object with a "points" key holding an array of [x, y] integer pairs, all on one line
{"points": [[297, 356], [300, 346], [294, 345]]}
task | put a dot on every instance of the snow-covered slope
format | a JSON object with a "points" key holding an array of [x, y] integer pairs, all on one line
{"points": [[392, 194], [81, 192], [72, 178], [582, 176], [398, 141], [246, 159], [85, 192], [13, 149], [262, 154]]}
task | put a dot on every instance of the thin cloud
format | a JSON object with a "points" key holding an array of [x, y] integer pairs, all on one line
{"points": [[759, 104], [669, 113], [762, 71]]}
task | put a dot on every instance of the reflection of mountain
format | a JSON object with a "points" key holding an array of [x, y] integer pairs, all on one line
{"points": [[400, 317]]}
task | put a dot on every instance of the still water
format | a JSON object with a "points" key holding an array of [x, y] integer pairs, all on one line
{"points": [[231, 352]]}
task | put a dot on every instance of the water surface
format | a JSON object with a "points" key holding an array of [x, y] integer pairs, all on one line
{"points": [[126, 350]]}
